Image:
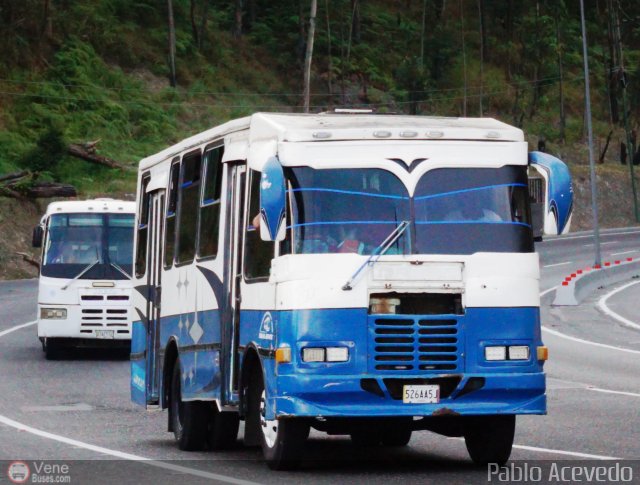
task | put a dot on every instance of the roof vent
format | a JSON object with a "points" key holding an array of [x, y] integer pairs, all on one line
{"points": [[321, 135], [382, 134], [353, 111], [493, 134], [435, 134], [408, 134]]}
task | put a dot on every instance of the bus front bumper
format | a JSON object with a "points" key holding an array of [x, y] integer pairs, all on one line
{"points": [[357, 396]]}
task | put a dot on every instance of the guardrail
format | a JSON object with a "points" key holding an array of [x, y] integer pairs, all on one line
{"points": [[579, 285]]}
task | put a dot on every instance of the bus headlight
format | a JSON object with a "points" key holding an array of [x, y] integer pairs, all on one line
{"points": [[498, 352], [325, 354], [518, 352], [53, 313]]}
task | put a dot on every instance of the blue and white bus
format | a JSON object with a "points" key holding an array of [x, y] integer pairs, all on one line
{"points": [[356, 274]]}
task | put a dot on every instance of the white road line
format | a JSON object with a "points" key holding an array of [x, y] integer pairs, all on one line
{"points": [[624, 252], [557, 264], [602, 306], [119, 454], [588, 342], [579, 340], [610, 391], [106, 451], [602, 234], [567, 453], [601, 244], [17, 327]]}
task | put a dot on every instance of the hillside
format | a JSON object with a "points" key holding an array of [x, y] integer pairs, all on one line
{"points": [[100, 70]]}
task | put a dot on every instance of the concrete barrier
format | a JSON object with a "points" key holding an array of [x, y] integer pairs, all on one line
{"points": [[579, 285]]}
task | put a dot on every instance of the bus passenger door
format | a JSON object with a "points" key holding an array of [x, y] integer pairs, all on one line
{"points": [[154, 265]]}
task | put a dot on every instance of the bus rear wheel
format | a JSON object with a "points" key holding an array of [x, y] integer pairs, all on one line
{"points": [[282, 441], [489, 439], [189, 420]]}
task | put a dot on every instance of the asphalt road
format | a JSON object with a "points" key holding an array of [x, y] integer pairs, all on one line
{"points": [[79, 408]]}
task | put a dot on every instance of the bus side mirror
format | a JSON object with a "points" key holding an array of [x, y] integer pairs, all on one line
{"points": [[551, 194], [272, 202], [36, 238]]}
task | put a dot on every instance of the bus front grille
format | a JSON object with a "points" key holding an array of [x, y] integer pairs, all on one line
{"points": [[414, 344]]}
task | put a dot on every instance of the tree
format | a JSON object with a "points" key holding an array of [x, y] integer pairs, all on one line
{"points": [[172, 44], [309, 54]]}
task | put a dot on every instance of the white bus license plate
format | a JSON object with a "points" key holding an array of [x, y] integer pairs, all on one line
{"points": [[104, 333], [420, 394]]}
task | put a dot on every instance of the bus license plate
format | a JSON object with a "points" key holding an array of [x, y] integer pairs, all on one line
{"points": [[104, 333], [420, 394]]}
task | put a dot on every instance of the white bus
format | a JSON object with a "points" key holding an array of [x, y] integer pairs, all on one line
{"points": [[84, 289], [356, 274]]}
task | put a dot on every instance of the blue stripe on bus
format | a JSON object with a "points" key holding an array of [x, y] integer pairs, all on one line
{"points": [[514, 223], [350, 192], [462, 191]]}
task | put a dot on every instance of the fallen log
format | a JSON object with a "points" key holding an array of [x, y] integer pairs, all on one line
{"points": [[40, 190], [14, 175], [28, 259], [87, 151]]}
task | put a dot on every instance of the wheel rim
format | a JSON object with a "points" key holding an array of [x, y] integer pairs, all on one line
{"points": [[269, 426]]}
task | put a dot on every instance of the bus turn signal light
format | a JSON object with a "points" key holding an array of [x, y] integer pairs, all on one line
{"points": [[283, 355], [543, 353]]}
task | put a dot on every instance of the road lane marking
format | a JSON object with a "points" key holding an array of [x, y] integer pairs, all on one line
{"points": [[602, 234], [123, 456], [567, 453], [601, 244], [579, 340], [17, 327], [589, 342], [624, 252], [602, 306], [610, 391], [557, 264]]}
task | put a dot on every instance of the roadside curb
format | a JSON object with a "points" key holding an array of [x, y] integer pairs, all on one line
{"points": [[580, 284]]}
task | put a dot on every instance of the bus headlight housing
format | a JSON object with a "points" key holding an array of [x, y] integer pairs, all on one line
{"points": [[497, 352], [53, 313], [325, 354], [518, 352]]}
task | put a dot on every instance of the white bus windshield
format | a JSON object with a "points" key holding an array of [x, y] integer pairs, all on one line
{"points": [[77, 240], [453, 211]]}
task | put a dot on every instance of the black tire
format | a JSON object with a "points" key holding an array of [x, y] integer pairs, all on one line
{"points": [[282, 441], [223, 430], [396, 437], [189, 420], [489, 439]]}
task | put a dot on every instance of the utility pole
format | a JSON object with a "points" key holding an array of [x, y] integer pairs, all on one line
{"points": [[592, 167], [622, 79]]}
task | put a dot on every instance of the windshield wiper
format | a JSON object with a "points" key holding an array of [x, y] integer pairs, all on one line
{"points": [[87, 268], [379, 251], [121, 270]]}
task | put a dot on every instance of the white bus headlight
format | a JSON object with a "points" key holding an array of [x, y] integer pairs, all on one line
{"points": [[518, 352], [53, 313], [313, 354], [495, 353], [337, 354]]}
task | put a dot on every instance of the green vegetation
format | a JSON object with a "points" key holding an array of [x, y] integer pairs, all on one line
{"points": [[75, 71]]}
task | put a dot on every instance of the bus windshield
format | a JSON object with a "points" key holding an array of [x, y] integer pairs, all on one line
{"points": [[453, 211], [75, 241]]}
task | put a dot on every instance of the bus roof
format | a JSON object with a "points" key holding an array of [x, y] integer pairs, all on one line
{"points": [[289, 127], [92, 205]]}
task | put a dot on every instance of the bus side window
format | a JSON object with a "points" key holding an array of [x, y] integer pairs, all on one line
{"points": [[143, 229], [208, 230], [188, 196], [257, 253], [170, 224]]}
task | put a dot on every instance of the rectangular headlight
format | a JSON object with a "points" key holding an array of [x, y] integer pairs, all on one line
{"points": [[313, 354], [337, 354], [518, 352], [495, 353], [53, 313]]}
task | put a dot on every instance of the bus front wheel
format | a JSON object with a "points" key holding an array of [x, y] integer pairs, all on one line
{"points": [[282, 440], [189, 419], [489, 438]]}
